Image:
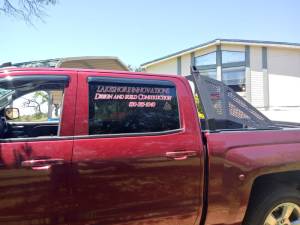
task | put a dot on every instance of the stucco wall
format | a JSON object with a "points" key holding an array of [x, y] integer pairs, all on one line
{"points": [[165, 67], [284, 77]]}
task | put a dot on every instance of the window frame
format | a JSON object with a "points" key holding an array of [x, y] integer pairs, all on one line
{"points": [[56, 78], [118, 80]]}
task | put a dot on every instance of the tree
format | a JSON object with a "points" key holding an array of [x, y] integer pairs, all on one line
{"points": [[135, 69], [36, 101], [25, 9]]}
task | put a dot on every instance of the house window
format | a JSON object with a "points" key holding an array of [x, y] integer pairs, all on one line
{"points": [[232, 56], [233, 70], [235, 78], [205, 60], [210, 73]]}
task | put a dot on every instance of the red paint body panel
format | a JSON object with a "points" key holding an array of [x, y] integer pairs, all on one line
{"points": [[29, 195], [253, 154]]}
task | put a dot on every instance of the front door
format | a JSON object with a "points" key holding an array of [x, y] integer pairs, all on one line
{"points": [[136, 161], [36, 148]]}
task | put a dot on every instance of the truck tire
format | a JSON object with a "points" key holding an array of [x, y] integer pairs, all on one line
{"points": [[278, 207]]}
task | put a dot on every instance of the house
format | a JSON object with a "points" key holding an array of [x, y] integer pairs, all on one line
{"points": [[265, 73]]}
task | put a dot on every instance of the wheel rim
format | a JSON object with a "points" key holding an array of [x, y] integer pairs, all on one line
{"points": [[284, 214]]}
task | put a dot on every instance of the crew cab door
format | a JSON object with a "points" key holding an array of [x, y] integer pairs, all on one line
{"points": [[138, 151], [34, 161]]}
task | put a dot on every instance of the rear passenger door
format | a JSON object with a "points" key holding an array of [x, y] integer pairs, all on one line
{"points": [[137, 155]]}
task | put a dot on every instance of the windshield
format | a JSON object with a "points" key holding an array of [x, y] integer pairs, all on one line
{"points": [[5, 97], [4, 92]]}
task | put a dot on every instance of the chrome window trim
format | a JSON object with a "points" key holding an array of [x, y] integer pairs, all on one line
{"points": [[58, 138]]}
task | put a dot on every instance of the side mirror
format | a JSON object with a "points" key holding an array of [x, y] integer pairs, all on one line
{"points": [[12, 113]]}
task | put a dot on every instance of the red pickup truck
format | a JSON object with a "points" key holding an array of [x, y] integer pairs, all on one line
{"points": [[106, 147]]}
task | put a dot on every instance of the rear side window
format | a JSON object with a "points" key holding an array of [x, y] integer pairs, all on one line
{"points": [[132, 107]]}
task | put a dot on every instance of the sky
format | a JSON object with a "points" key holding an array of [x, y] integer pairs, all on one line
{"points": [[138, 31]]}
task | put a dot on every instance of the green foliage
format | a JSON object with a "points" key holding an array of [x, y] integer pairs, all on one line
{"points": [[199, 107], [135, 69], [33, 118], [37, 100], [41, 96]]}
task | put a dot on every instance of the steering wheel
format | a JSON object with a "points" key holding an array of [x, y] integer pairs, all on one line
{"points": [[3, 127]]}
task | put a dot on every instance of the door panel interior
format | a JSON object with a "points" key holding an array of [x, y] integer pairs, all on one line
{"points": [[31, 129]]}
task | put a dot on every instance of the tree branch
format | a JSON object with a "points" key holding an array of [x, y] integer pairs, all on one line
{"points": [[26, 9]]}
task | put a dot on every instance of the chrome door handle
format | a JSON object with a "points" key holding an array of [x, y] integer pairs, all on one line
{"points": [[41, 164], [181, 155]]}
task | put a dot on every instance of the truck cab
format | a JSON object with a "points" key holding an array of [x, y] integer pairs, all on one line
{"points": [[116, 147]]}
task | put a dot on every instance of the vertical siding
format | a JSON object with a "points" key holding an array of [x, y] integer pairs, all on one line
{"points": [[186, 64], [248, 73], [256, 74], [284, 77]]}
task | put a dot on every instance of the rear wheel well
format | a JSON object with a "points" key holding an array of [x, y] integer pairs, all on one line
{"points": [[266, 184], [275, 180]]}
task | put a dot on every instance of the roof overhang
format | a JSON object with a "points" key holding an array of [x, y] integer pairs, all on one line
{"points": [[92, 62]]}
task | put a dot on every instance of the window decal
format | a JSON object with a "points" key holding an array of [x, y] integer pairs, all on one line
{"points": [[132, 108], [142, 96]]}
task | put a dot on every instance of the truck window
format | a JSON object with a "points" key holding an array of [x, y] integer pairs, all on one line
{"points": [[116, 108], [31, 106], [38, 106]]}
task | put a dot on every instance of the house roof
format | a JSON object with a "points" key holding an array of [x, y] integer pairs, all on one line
{"points": [[223, 41], [93, 62]]}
